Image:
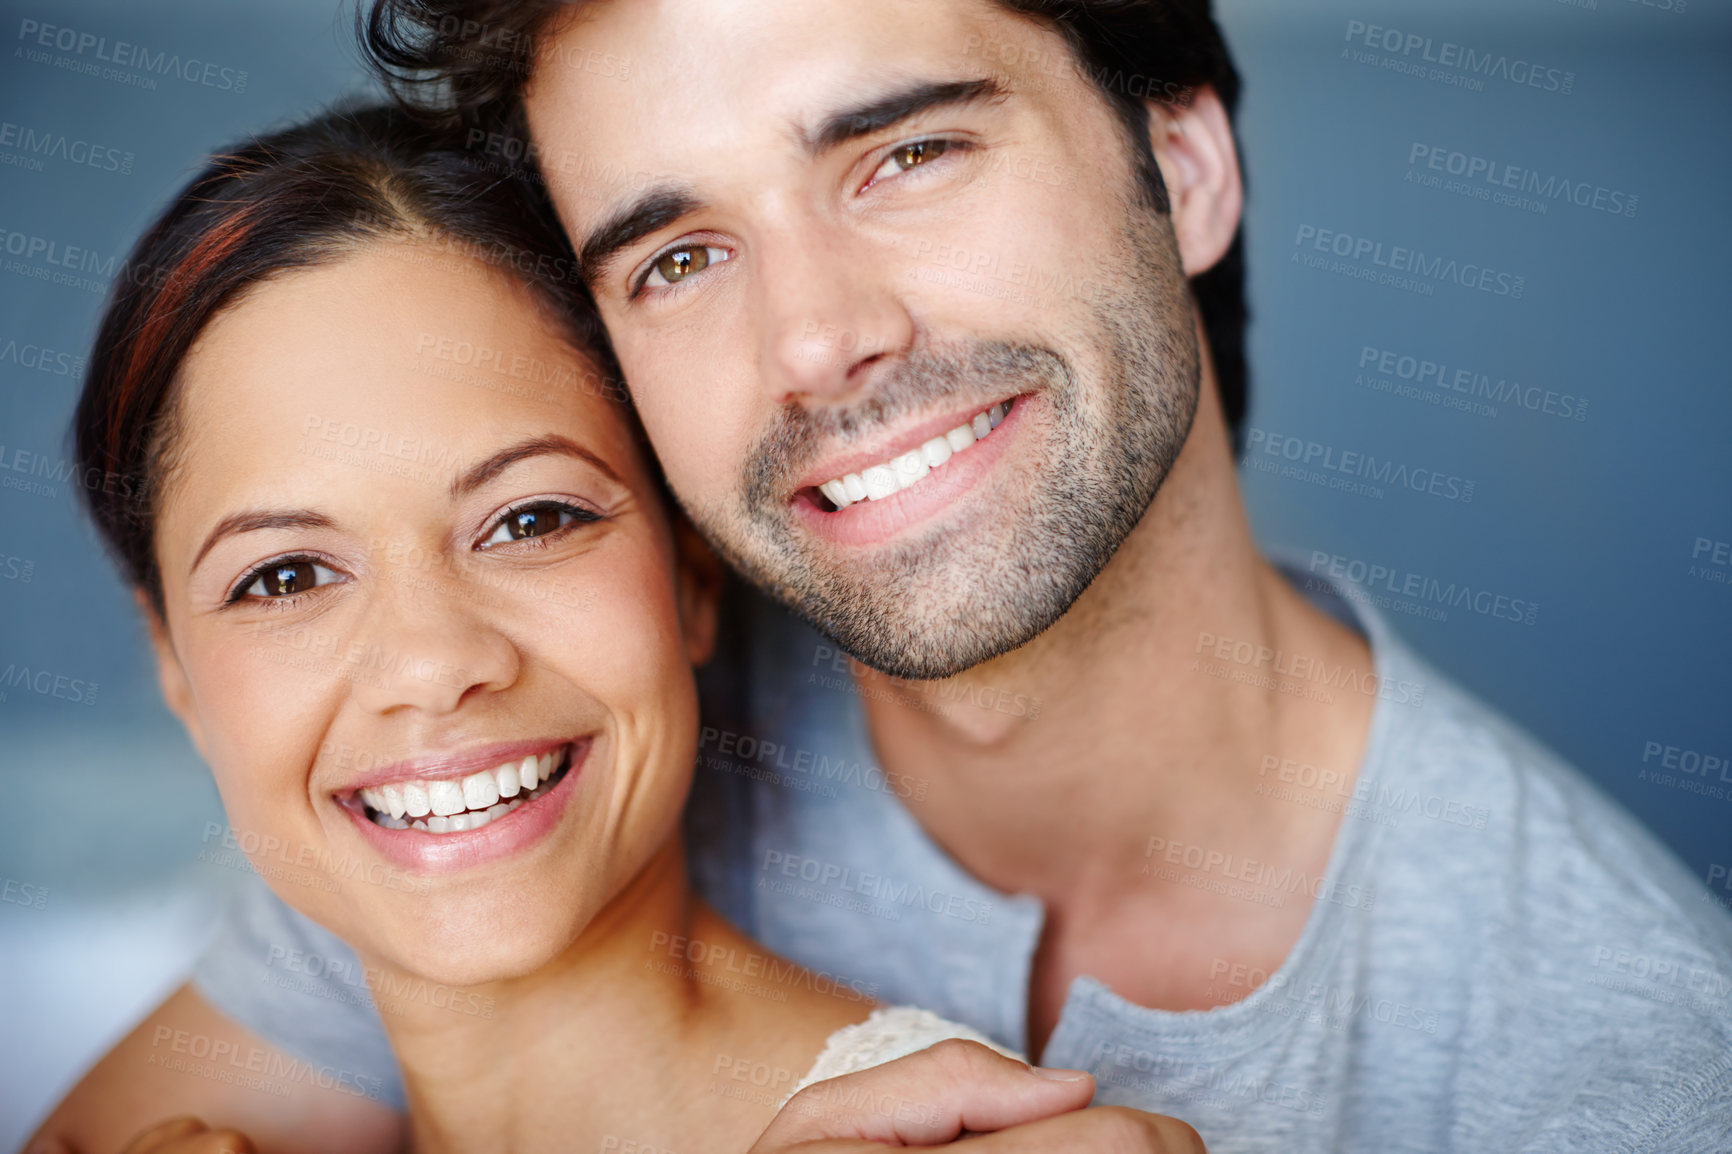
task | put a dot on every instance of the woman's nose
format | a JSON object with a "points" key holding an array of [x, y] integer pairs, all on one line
{"points": [[428, 649]]}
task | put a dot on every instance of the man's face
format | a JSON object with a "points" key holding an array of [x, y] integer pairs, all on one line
{"points": [[910, 340]]}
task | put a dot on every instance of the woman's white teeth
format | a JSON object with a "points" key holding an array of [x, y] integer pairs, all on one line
{"points": [[446, 797], [480, 790], [464, 804], [880, 481]]}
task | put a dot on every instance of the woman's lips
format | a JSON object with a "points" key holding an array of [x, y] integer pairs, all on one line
{"points": [[482, 820], [457, 803]]}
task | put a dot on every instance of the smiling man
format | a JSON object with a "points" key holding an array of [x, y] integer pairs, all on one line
{"points": [[930, 309]]}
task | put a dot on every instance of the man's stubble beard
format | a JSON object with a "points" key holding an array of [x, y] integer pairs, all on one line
{"points": [[957, 595]]}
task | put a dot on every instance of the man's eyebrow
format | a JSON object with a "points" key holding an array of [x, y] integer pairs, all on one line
{"points": [[484, 472], [253, 520], [655, 209], [662, 205], [893, 108]]}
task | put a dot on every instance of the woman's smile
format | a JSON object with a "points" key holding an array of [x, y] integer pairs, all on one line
{"points": [[438, 815], [448, 803]]}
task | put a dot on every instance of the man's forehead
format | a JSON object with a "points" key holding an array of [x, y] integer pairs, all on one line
{"points": [[696, 73]]}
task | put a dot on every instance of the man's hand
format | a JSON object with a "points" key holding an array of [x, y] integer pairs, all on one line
{"points": [[176, 1136], [958, 1088], [142, 1080], [189, 1136]]}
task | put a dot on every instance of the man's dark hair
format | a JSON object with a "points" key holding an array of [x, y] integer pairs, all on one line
{"points": [[469, 60]]}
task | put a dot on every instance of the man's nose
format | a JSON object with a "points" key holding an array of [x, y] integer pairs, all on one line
{"points": [[829, 312]]}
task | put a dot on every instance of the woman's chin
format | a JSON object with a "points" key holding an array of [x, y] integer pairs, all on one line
{"points": [[463, 962]]}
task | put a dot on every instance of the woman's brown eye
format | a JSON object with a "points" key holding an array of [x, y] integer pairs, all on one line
{"points": [[287, 578], [682, 262], [538, 520], [284, 580], [532, 522]]}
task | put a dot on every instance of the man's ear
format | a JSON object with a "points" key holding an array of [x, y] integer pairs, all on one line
{"points": [[1193, 144], [176, 689], [698, 587]]}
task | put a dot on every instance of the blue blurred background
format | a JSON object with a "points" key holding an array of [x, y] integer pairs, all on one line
{"points": [[1553, 338]]}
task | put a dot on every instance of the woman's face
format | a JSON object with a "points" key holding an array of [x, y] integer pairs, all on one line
{"points": [[425, 616]]}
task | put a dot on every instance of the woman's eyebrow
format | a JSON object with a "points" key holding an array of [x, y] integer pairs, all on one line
{"points": [[490, 468], [255, 519]]}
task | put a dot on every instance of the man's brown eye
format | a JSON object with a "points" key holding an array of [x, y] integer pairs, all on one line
{"points": [[918, 153], [682, 262]]}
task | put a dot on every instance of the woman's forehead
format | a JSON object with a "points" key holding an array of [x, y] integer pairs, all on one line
{"points": [[399, 356]]}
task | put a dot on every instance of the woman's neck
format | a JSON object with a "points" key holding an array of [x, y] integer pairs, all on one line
{"points": [[636, 1033]]}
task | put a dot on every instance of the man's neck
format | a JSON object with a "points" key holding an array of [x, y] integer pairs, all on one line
{"points": [[1129, 736]]}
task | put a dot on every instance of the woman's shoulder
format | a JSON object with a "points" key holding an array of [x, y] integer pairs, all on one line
{"points": [[890, 1032]]}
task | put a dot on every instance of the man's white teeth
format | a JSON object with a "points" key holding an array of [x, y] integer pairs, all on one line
{"points": [[463, 804], [880, 481]]}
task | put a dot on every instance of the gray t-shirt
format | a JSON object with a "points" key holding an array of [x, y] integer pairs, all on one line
{"points": [[1497, 958]]}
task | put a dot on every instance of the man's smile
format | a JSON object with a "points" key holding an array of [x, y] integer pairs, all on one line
{"points": [[905, 470], [929, 467]]}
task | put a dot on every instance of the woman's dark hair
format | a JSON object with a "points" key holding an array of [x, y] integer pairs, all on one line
{"points": [[469, 59], [291, 200]]}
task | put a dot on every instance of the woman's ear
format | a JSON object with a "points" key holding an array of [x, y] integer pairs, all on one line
{"points": [[176, 689], [1199, 161], [698, 586]]}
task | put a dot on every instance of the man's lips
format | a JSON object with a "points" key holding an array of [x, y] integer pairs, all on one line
{"points": [[885, 450], [931, 493]]}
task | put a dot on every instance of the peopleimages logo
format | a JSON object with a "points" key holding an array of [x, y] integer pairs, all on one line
{"points": [[41, 359], [34, 146], [1486, 179], [1403, 267], [35, 36], [1425, 590], [1349, 469], [1470, 387], [1452, 60]]}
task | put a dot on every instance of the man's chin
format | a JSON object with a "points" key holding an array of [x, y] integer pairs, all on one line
{"points": [[979, 613]]}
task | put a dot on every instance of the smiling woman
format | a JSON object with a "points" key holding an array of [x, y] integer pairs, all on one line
{"points": [[434, 632]]}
